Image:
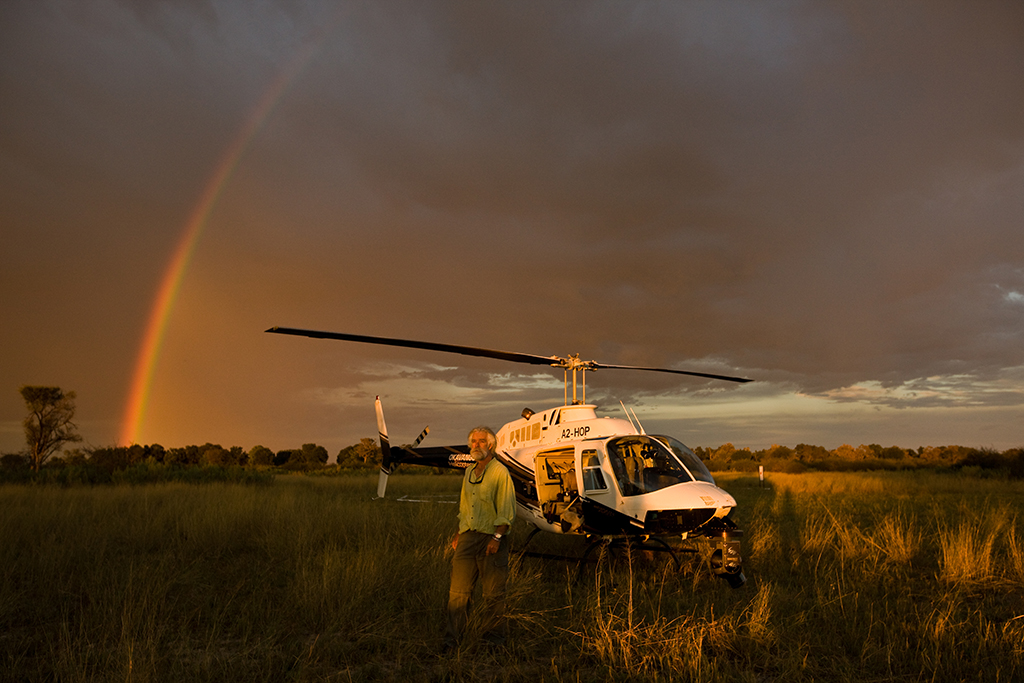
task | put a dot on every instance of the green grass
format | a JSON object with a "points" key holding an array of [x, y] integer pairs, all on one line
{"points": [[851, 577]]}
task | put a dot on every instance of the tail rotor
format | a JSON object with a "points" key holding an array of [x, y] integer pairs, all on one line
{"points": [[389, 460], [385, 450]]}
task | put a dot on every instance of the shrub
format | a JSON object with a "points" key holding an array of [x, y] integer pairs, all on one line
{"points": [[1015, 462], [151, 473], [14, 461], [984, 458]]}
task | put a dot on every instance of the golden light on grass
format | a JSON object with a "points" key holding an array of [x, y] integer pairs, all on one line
{"points": [[851, 577], [898, 537], [1015, 556], [966, 554], [968, 547]]}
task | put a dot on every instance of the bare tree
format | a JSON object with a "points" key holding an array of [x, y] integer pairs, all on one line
{"points": [[48, 425]]}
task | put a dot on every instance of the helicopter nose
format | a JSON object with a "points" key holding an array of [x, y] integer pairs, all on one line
{"points": [[714, 496], [724, 503]]}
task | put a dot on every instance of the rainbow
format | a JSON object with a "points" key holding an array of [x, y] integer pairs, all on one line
{"points": [[170, 284]]}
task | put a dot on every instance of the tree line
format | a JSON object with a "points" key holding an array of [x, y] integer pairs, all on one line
{"points": [[49, 426], [806, 457], [310, 456], [365, 454]]}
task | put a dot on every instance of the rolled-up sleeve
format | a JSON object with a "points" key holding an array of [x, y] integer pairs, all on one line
{"points": [[504, 500]]}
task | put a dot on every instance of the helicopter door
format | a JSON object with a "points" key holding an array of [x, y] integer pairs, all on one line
{"points": [[557, 490], [597, 484]]}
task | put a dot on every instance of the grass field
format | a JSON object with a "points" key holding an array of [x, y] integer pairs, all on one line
{"points": [[854, 576]]}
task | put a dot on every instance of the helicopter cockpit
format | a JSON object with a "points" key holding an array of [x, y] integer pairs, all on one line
{"points": [[643, 464], [689, 459]]}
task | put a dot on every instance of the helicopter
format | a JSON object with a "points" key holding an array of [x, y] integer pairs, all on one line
{"points": [[575, 473]]}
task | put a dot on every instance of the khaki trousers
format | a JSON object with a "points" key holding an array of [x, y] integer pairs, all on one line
{"points": [[470, 565]]}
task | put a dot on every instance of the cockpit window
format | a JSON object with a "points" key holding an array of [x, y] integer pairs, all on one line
{"points": [[642, 465], [697, 468]]}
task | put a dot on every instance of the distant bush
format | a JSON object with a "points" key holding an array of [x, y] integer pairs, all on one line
{"points": [[787, 466], [865, 465], [984, 458], [88, 474], [55, 472], [746, 465], [1015, 463], [14, 461], [80, 474], [151, 473], [975, 462]]}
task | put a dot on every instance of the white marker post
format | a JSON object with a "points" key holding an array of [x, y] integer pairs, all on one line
{"points": [[760, 475]]}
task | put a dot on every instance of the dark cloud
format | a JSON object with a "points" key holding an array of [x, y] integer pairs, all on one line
{"points": [[824, 196]]}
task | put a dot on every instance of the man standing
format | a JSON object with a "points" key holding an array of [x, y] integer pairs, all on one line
{"points": [[486, 510]]}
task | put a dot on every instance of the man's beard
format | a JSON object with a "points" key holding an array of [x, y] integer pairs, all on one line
{"points": [[479, 454]]}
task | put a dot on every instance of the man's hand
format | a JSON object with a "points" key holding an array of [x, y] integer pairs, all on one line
{"points": [[455, 541], [493, 545]]}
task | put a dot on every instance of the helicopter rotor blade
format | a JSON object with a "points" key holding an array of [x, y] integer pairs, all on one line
{"points": [[726, 378], [429, 346], [572, 362]]}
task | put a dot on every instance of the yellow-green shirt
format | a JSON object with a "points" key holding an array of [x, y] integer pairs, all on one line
{"points": [[489, 503]]}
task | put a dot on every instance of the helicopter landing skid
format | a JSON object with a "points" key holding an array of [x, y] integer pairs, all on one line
{"points": [[724, 556], [610, 544]]}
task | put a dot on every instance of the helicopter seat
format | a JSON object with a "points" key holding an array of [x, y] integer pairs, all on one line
{"points": [[555, 472], [556, 482]]}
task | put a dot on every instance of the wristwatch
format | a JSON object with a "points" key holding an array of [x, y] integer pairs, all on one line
{"points": [[497, 537]]}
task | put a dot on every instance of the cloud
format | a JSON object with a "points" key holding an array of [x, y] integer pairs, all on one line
{"points": [[951, 391], [822, 197]]}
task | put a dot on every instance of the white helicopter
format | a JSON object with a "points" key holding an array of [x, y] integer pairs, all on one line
{"points": [[576, 473]]}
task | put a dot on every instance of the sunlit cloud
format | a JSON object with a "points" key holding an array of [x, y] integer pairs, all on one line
{"points": [[413, 389], [508, 382], [400, 391], [938, 391], [390, 369]]}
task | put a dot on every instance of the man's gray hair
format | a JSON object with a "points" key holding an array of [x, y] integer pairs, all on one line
{"points": [[492, 440]]}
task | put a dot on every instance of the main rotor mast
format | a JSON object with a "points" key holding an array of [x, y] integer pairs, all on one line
{"points": [[574, 363]]}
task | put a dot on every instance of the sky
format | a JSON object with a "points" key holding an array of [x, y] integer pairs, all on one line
{"points": [[824, 197]]}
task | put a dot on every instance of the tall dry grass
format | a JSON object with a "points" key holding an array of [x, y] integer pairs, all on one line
{"points": [[854, 576]]}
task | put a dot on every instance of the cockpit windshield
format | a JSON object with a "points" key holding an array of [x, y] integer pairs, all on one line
{"points": [[643, 464], [697, 468]]}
